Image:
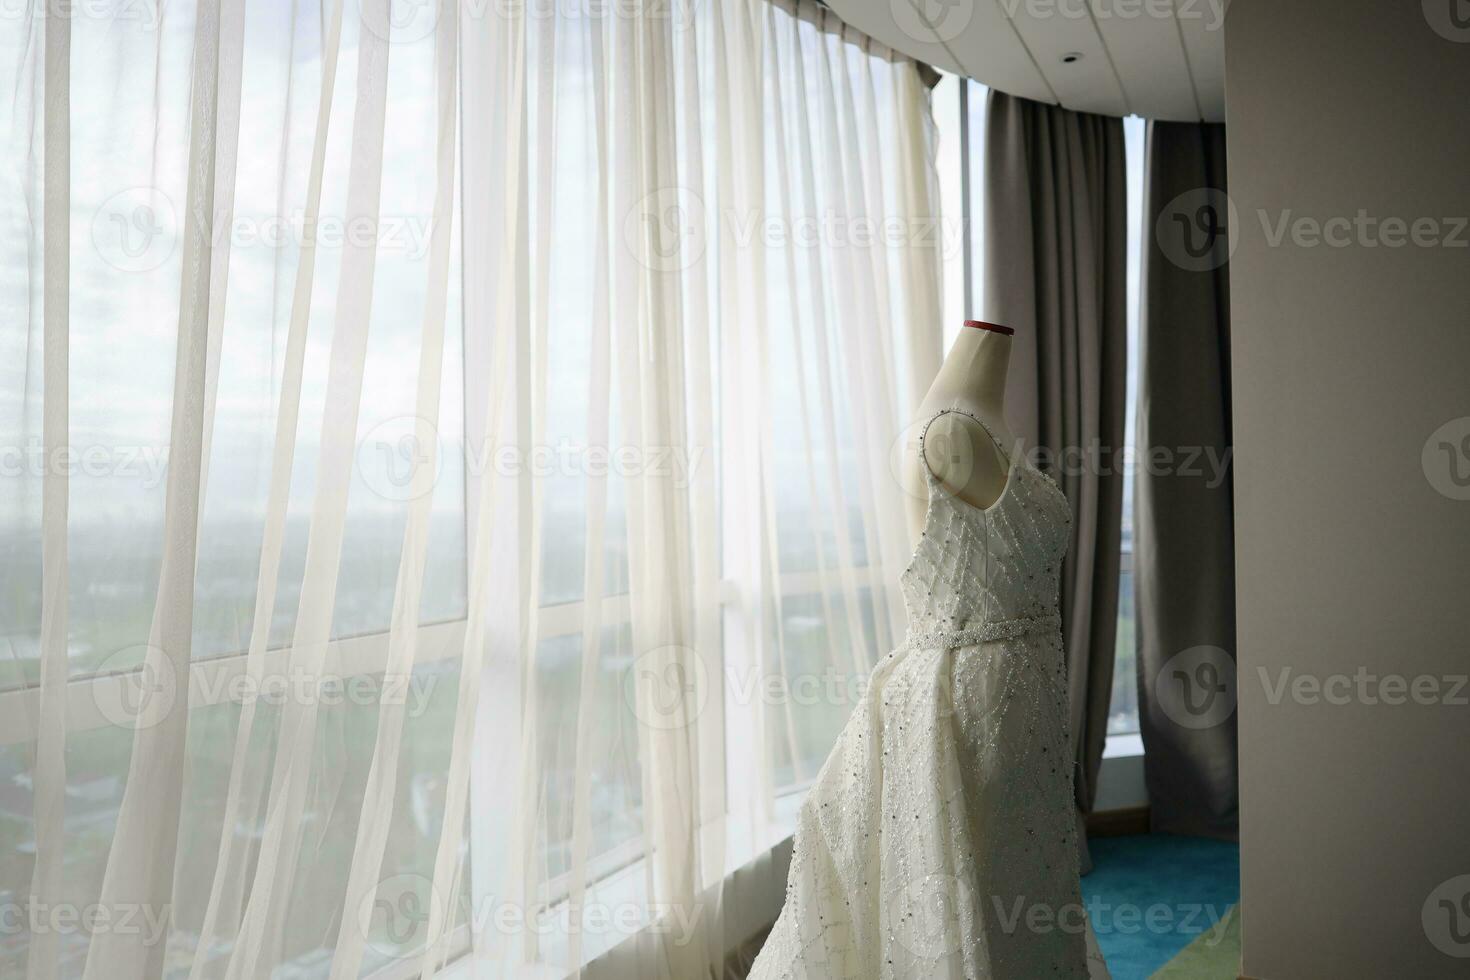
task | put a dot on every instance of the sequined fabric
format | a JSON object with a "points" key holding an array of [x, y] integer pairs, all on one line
{"points": [[938, 840]]}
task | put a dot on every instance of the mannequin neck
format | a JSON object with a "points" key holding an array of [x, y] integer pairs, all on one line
{"points": [[975, 368]]}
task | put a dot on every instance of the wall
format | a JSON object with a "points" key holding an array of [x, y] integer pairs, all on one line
{"points": [[1353, 551]]}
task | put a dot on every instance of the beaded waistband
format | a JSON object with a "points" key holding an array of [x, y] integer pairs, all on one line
{"points": [[997, 629]]}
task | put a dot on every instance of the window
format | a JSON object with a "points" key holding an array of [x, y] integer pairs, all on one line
{"points": [[959, 116], [127, 221], [1123, 710], [797, 514]]}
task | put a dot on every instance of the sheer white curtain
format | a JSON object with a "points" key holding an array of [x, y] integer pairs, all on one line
{"points": [[448, 493]]}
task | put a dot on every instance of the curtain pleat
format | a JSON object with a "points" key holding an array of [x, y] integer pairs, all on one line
{"points": [[49, 782], [1055, 271], [1184, 539], [380, 794], [141, 859], [263, 922], [225, 905]]}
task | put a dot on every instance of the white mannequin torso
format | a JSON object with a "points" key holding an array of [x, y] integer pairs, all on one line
{"points": [[957, 449]]}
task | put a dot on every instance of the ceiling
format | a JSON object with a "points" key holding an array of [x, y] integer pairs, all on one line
{"points": [[1161, 59]]}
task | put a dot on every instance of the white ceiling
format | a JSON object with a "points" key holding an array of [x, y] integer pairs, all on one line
{"points": [[1162, 59]]}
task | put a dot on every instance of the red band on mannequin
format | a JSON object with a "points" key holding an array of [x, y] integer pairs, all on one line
{"points": [[982, 325]]}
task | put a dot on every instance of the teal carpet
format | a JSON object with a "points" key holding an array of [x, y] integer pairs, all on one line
{"points": [[1150, 896]]}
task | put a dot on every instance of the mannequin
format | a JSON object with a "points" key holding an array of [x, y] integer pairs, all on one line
{"points": [[957, 449]]}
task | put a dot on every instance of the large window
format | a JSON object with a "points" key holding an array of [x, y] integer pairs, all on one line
{"points": [[782, 375]]}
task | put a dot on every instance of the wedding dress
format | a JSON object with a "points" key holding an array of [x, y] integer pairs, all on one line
{"points": [[939, 839]]}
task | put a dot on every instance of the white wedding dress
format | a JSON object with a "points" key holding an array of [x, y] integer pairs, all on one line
{"points": [[939, 840]]}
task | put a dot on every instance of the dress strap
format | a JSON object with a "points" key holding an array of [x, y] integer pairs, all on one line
{"points": [[924, 460]]}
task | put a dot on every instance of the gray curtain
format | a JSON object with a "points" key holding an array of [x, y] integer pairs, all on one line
{"points": [[1055, 271], [1184, 529]]}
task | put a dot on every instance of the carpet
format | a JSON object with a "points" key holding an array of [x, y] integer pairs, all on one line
{"points": [[1164, 906]]}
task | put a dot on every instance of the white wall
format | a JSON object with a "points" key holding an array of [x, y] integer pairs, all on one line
{"points": [[1345, 360]]}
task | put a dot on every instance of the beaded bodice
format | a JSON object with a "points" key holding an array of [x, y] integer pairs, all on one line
{"points": [[982, 568]]}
